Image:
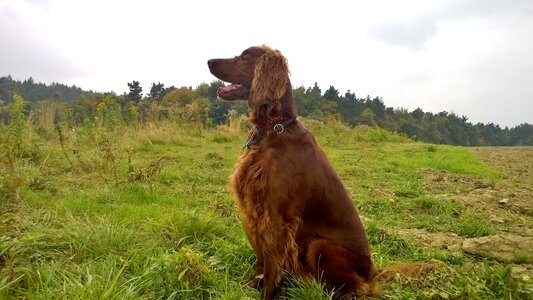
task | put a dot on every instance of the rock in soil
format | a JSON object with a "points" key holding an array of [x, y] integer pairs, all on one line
{"points": [[504, 247]]}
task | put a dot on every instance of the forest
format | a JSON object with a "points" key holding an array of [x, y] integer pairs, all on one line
{"points": [[74, 107]]}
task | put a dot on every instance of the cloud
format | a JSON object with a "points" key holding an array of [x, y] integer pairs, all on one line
{"points": [[460, 10], [411, 34], [412, 31], [26, 49], [470, 57], [41, 3]]}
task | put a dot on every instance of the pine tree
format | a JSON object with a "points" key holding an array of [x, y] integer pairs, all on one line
{"points": [[136, 91]]}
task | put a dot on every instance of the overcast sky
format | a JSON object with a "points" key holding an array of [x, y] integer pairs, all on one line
{"points": [[472, 57]]}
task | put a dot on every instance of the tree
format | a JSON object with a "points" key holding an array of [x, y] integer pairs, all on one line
{"points": [[212, 90], [330, 102], [521, 135], [202, 90], [378, 107], [34, 92], [157, 91], [368, 117], [417, 113], [331, 94], [311, 102], [350, 108], [179, 97], [136, 91]]}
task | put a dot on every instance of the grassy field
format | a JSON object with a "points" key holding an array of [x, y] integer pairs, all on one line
{"points": [[145, 213]]}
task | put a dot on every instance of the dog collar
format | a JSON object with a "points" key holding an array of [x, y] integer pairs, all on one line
{"points": [[274, 124]]}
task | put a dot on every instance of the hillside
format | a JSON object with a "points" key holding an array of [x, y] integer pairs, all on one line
{"points": [[144, 212], [34, 92], [201, 104]]}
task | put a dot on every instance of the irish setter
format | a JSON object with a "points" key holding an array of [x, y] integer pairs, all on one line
{"points": [[295, 211]]}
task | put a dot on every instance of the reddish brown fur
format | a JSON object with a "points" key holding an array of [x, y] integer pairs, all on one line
{"points": [[294, 208]]}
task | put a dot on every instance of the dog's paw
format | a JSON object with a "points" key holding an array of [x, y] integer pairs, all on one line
{"points": [[256, 282]]}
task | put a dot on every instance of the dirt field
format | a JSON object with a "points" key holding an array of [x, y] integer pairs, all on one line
{"points": [[516, 165], [508, 201]]}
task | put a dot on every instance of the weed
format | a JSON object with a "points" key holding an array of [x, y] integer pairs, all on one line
{"points": [[108, 149], [221, 139], [431, 148], [236, 123], [15, 149], [471, 225], [147, 174], [62, 143], [307, 289], [390, 245], [432, 206], [523, 258]]}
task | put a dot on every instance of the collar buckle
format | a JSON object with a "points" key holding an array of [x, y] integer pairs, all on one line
{"points": [[279, 128]]}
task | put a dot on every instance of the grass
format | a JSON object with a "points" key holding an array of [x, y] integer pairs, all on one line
{"points": [[89, 230]]}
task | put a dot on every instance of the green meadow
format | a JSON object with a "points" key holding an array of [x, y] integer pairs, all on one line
{"points": [[144, 212]]}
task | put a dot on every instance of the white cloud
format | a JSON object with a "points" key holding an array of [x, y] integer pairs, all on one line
{"points": [[472, 57], [25, 50]]}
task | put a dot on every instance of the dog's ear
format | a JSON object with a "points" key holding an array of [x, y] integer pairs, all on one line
{"points": [[271, 77]]}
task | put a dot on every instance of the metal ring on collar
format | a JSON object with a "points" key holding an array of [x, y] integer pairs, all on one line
{"points": [[278, 128]]}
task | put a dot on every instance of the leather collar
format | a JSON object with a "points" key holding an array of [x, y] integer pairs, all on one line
{"points": [[273, 124]]}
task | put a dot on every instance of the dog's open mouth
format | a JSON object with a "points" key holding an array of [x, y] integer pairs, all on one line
{"points": [[233, 91]]}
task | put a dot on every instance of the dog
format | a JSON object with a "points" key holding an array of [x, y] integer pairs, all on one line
{"points": [[295, 211]]}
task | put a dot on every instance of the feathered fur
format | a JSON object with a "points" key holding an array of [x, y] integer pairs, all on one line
{"points": [[294, 208]]}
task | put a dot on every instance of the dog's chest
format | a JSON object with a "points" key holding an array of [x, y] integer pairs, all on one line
{"points": [[249, 184]]}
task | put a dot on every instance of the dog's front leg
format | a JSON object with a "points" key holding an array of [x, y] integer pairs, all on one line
{"points": [[273, 272], [255, 241], [280, 255]]}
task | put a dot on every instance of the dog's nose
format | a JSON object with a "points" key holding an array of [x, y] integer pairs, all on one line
{"points": [[210, 62]]}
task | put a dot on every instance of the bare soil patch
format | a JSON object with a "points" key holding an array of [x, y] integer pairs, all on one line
{"points": [[509, 202], [516, 165]]}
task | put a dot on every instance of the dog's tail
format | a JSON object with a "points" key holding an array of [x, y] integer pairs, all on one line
{"points": [[405, 271]]}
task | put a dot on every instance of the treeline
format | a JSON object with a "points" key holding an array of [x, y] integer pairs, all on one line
{"points": [[35, 91], [60, 103], [439, 128]]}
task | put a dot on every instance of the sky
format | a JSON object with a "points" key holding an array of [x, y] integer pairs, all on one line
{"points": [[470, 57]]}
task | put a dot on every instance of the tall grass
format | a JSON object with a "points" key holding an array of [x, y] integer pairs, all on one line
{"points": [[17, 151], [145, 213]]}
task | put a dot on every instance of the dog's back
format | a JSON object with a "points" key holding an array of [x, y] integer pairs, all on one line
{"points": [[332, 240]]}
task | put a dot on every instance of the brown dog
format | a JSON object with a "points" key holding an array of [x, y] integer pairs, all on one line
{"points": [[295, 210]]}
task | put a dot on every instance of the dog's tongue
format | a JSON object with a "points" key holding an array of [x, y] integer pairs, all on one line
{"points": [[227, 89]]}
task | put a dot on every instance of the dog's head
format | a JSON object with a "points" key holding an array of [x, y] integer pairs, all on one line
{"points": [[259, 75]]}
